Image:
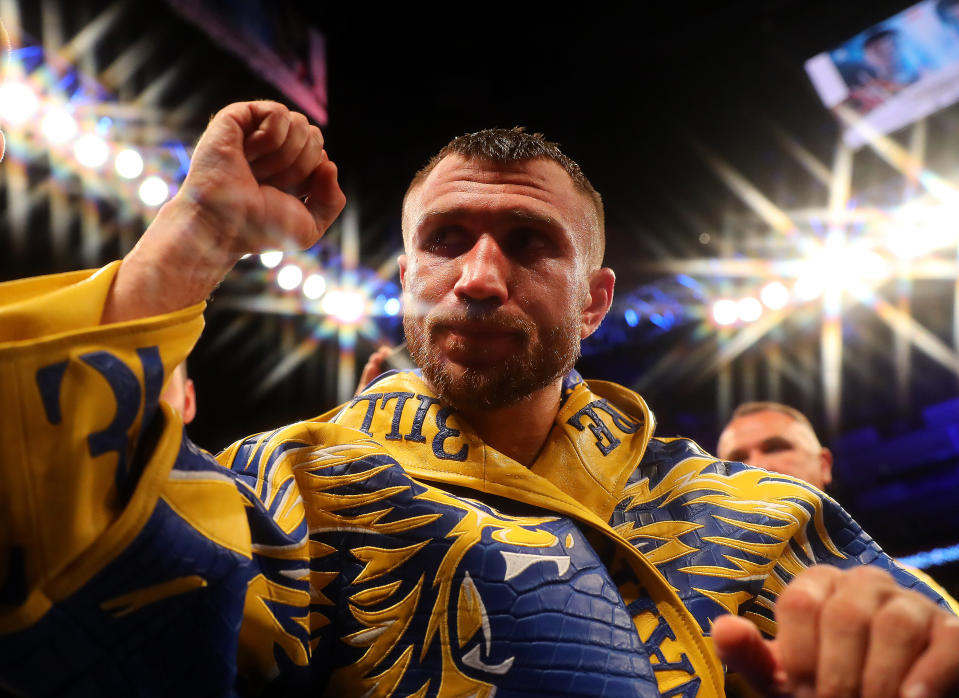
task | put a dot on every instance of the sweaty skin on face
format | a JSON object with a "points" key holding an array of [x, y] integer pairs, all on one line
{"points": [[496, 278], [776, 442]]}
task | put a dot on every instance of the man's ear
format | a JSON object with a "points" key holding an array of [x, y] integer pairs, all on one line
{"points": [[825, 463], [601, 283], [401, 260], [189, 402]]}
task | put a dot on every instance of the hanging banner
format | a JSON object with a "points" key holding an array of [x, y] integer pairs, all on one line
{"points": [[893, 73]]}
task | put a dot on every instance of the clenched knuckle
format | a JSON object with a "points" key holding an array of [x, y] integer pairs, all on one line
{"points": [[901, 620], [845, 614], [272, 106], [272, 137], [949, 628], [837, 687], [866, 575], [798, 600]]}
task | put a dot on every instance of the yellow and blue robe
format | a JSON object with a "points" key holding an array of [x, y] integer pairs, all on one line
{"points": [[381, 549]]}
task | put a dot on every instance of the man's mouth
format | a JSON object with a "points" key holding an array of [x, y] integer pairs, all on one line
{"points": [[478, 341]]}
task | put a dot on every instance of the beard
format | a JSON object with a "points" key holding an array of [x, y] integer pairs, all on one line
{"points": [[543, 357]]}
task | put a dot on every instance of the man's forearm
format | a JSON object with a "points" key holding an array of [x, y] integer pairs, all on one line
{"points": [[173, 266]]}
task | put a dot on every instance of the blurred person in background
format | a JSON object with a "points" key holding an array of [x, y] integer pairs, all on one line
{"points": [[180, 394], [781, 439], [776, 437]]}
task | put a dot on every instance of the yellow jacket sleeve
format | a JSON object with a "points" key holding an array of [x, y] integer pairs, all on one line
{"points": [[76, 396]]}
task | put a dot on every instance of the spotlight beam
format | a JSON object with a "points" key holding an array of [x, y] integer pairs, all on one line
{"points": [[127, 63], [224, 338], [51, 28], [839, 185], [83, 42], [830, 347], [189, 109], [955, 307], [672, 363], [290, 360], [742, 340], [693, 218], [923, 339], [389, 267], [269, 305], [10, 12], [777, 219], [899, 158], [721, 267], [704, 361], [153, 93], [346, 336], [782, 365], [806, 159]]}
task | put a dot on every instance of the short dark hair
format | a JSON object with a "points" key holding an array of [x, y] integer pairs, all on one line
{"points": [[942, 9], [880, 34], [748, 408], [504, 146]]}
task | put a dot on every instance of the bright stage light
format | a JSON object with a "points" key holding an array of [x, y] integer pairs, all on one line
{"points": [[774, 295], [347, 307], [128, 163], [725, 311], [314, 286], [392, 307], [839, 266], [749, 309], [154, 191], [920, 229], [631, 317], [289, 277], [809, 286], [862, 263], [18, 103], [91, 150], [271, 258], [58, 126]]}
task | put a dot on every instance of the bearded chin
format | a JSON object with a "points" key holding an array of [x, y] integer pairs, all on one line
{"points": [[544, 359]]}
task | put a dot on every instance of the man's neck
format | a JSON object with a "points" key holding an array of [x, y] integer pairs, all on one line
{"points": [[519, 430]]}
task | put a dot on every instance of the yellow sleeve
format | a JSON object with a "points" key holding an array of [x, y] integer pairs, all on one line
{"points": [[76, 396]]}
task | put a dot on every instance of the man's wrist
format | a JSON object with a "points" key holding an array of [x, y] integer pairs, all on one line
{"points": [[178, 262]]}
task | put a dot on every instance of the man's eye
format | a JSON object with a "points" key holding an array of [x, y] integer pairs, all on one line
{"points": [[526, 240], [777, 446], [447, 241]]}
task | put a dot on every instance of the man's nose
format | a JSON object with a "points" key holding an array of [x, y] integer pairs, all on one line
{"points": [[484, 274]]}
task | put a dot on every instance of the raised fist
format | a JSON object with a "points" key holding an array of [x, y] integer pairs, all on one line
{"points": [[259, 178]]}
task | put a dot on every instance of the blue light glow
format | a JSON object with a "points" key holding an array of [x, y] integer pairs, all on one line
{"points": [[663, 320], [931, 558], [392, 306], [631, 317]]}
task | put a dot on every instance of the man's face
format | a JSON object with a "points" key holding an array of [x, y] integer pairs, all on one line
{"points": [[498, 289], [883, 51], [775, 441]]}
